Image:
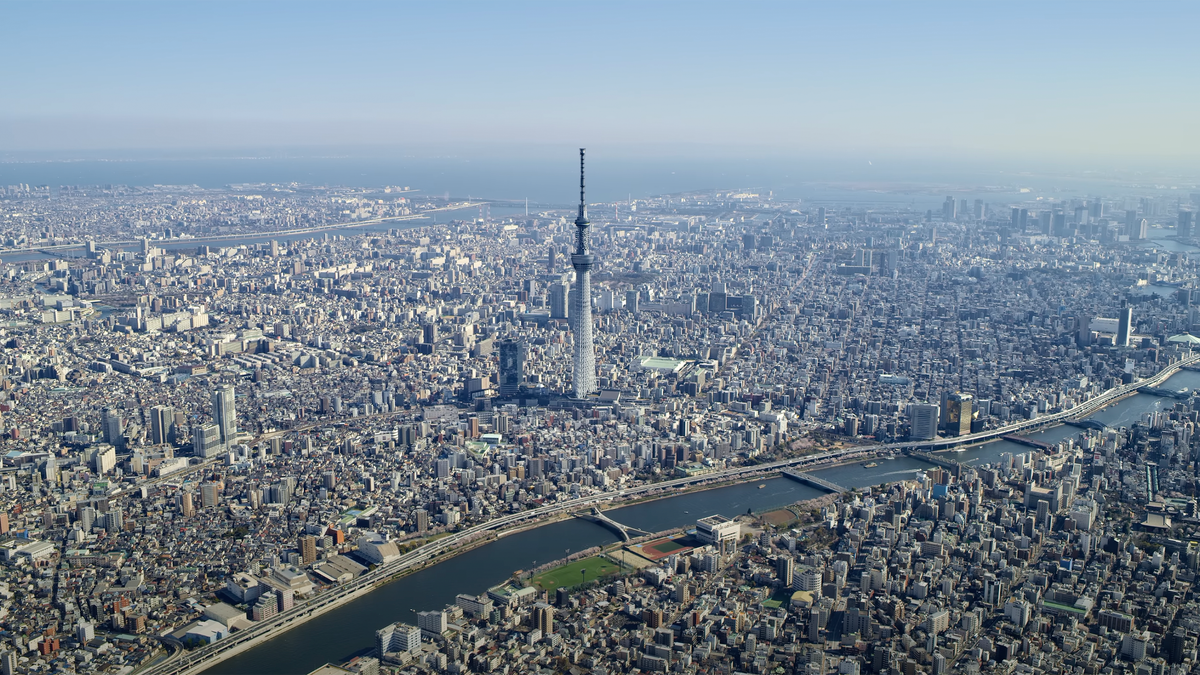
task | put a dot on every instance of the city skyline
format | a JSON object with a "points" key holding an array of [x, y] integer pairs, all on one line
{"points": [[248, 404], [871, 347]]}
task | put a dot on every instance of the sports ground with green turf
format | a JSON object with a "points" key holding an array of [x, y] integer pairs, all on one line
{"points": [[569, 576], [660, 548]]}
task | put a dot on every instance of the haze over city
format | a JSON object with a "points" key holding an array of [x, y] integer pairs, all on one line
{"points": [[1043, 82]]}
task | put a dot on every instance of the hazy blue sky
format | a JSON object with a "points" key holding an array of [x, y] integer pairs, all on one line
{"points": [[929, 79]]}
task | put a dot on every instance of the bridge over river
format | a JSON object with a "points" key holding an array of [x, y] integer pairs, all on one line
{"points": [[809, 479], [597, 516]]}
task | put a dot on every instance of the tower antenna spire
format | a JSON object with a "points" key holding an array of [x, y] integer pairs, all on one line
{"points": [[582, 204]]}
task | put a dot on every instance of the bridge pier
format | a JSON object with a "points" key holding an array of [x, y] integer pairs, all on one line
{"points": [[955, 467]]}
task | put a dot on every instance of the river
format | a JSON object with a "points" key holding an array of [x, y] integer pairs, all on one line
{"points": [[350, 629], [190, 245]]}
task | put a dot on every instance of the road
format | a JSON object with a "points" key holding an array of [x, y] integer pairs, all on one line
{"points": [[206, 656]]}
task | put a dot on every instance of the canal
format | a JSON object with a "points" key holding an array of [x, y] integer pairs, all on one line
{"points": [[350, 629]]}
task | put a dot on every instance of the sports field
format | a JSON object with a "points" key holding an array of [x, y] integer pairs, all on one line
{"points": [[569, 576], [665, 548], [660, 548], [779, 517]]}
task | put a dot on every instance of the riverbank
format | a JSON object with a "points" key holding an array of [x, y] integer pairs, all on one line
{"points": [[521, 539], [344, 633], [1049, 426], [813, 504], [434, 561], [767, 473], [316, 612]]}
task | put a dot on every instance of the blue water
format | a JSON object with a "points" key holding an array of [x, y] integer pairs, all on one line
{"points": [[553, 180]]}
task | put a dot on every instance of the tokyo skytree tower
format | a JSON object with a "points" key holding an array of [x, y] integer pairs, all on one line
{"points": [[583, 373]]}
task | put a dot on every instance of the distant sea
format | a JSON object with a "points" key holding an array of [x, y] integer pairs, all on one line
{"points": [[554, 183]]}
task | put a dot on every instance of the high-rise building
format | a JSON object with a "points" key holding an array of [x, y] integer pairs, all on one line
{"points": [[949, 210], [749, 308], [308, 549], [559, 292], [161, 418], [50, 469], [86, 516], [206, 440], [104, 459], [114, 520], [1043, 514], [1184, 228], [224, 415], [552, 259], [717, 297], [287, 599], [958, 414], [265, 607], [210, 494], [282, 491], [1173, 645], [1124, 326], [784, 569], [512, 368], [1083, 337], [398, 637], [1058, 226], [543, 618], [432, 623], [186, 507], [113, 428], [923, 421], [583, 370]]}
